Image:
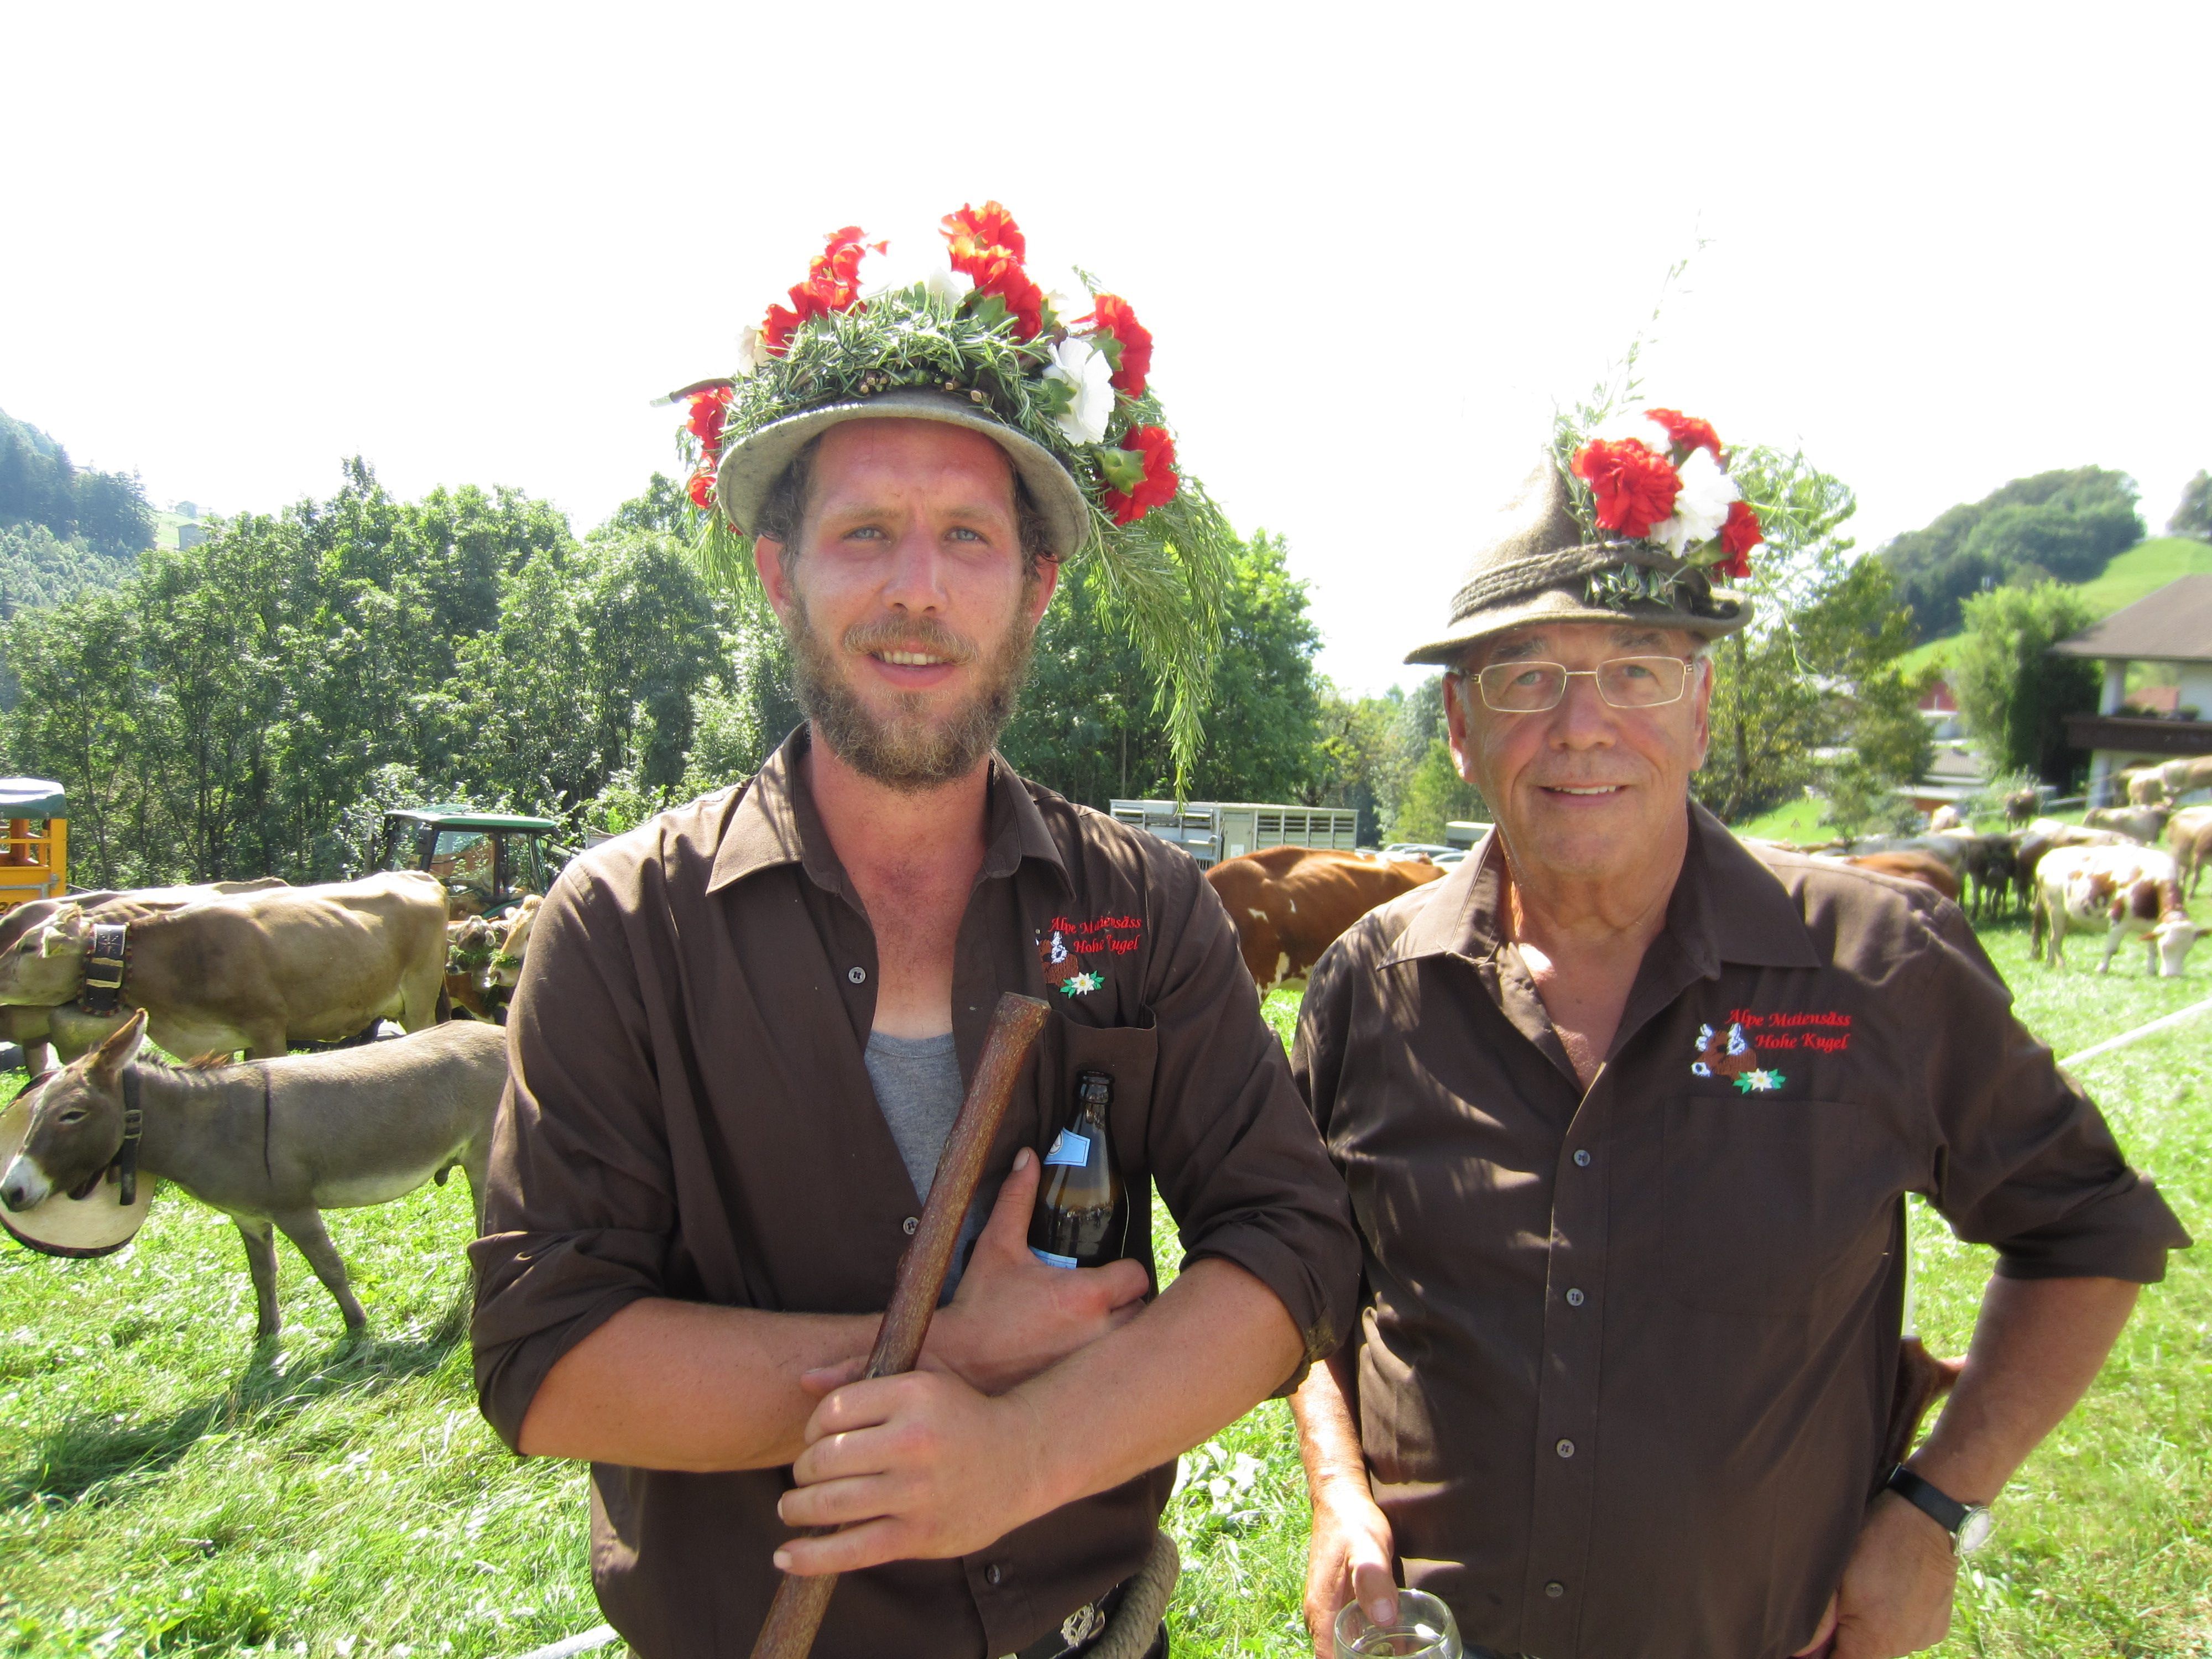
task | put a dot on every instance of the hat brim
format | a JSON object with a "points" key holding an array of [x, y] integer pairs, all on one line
{"points": [[751, 466], [1567, 604]]}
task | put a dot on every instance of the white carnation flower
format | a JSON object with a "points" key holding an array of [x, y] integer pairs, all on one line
{"points": [[1701, 508], [1085, 370], [752, 350]]}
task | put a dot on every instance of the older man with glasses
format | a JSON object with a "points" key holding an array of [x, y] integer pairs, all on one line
{"points": [[1628, 1111]]}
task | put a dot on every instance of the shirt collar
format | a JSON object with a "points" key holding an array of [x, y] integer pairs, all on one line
{"points": [[775, 822], [1726, 907]]}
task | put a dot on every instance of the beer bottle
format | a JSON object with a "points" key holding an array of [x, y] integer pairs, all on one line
{"points": [[1082, 1212]]}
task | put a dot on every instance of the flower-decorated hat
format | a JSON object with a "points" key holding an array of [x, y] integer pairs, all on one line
{"points": [[1638, 527], [961, 332]]}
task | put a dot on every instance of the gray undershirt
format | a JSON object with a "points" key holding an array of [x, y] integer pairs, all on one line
{"points": [[918, 1090]]}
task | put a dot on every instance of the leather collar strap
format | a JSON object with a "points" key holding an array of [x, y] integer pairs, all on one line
{"points": [[134, 1125], [104, 965]]}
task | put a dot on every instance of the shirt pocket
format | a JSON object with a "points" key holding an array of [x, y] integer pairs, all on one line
{"points": [[1129, 1054], [1772, 1208]]}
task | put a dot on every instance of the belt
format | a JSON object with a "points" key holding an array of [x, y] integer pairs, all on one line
{"points": [[1125, 1623]]}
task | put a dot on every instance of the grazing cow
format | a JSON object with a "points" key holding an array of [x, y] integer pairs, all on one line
{"points": [[273, 1143], [505, 972], [2022, 805], [471, 944], [1949, 849], [2137, 823], [1992, 863], [1290, 903], [2133, 892], [1928, 871], [2146, 788], [258, 970], [2180, 776], [1944, 817], [2189, 836]]}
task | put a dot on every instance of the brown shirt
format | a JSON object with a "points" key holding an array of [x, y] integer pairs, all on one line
{"points": [[690, 1116], [1626, 1357]]}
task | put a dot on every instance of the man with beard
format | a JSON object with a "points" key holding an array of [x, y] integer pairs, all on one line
{"points": [[738, 1048]]}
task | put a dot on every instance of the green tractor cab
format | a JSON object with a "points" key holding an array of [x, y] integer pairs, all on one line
{"points": [[489, 862]]}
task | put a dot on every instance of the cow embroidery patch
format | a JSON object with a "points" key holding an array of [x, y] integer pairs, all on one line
{"points": [[1072, 953], [1731, 1054]]}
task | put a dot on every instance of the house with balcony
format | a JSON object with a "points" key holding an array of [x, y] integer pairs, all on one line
{"points": [[2172, 628]]}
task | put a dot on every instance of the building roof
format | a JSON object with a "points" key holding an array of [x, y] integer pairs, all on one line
{"points": [[2174, 624]]}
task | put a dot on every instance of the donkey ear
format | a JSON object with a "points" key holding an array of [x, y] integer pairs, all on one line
{"points": [[120, 1047]]}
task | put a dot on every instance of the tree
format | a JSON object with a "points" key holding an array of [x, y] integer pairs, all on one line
{"points": [[2066, 525], [1814, 672], [1436, 795], [2192, 516], [1358, 759], [2015, 695]]}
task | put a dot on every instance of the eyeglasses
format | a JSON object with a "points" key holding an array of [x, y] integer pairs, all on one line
{"points": [[1530, 688]]}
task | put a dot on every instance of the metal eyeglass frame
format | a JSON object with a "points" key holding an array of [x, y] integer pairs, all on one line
{"points": [[1482, 685]]}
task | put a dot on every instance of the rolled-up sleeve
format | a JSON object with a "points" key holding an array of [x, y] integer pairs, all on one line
{"points": [[2024, 1160], [579, 1209], [1235, 1153]]}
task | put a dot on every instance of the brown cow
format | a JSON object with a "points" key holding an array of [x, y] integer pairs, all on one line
{"points": [[1928, 870], [257, 971], [2189, 837], [1291, 904], [2139, 823]]}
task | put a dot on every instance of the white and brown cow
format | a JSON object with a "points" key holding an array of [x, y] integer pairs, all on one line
{"points": [[2131, 892], [1291, 904]]}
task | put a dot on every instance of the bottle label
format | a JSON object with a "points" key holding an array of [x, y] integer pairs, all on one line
{"points": [[1071, 1149], [1052, 1261]]}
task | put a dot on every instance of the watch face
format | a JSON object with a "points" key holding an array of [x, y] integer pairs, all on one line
{"points": [[1974, 1531]]}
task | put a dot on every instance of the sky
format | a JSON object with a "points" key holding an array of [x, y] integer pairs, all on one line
{"points": [[1939, 245]]}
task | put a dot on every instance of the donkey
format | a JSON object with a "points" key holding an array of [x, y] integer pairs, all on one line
{"points": [[272, 1143]]}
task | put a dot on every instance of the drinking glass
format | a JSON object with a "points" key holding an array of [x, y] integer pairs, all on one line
{"points": [[1423, 1630]]}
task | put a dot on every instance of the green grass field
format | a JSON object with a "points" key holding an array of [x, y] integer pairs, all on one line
{"points": [[161, 1491]]}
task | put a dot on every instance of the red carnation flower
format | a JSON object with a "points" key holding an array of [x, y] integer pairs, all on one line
{"points": [[700, 487], [1635, 488], [1687, 431], [1738, 537], [710, 410], [1002, 276], [977, 233], [1159, 484], [1113, 315], [832, 284]]}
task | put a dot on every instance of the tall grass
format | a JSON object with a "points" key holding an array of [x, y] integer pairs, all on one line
{"points": [[163, 1492]]}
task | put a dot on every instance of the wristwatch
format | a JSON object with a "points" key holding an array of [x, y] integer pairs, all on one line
{"points": [[1969, 1524]]}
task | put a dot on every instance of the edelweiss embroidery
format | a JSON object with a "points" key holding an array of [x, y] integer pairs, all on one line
{"points": [[1072, 952]]}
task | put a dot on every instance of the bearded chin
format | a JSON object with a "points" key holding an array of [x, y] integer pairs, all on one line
{"points": [[909, 750]]}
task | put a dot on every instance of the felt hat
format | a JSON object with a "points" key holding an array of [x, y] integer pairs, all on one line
{"points": [[752, 463], [1536, 560]]}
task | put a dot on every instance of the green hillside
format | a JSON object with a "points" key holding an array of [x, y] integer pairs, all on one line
{"points": [[2141, 571]]}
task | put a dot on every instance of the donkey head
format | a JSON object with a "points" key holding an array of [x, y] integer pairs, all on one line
{"points": [[77, 1123]]}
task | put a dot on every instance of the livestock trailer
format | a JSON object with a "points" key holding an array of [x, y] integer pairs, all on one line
{"points": [[1210, 831], [33, 864]]}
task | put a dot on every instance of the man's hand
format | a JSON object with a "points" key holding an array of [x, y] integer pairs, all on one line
{"points": [[1013, 1316], [915, 1466], [1348, 1556], [1896, 1595]]}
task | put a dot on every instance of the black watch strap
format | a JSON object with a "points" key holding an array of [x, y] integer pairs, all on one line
{"points": [[1946, 1511]]}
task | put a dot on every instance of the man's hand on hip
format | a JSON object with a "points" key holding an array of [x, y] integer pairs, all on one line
{"points": [[1347, 1555], [916, 1466], [1013, 1316], [1895, 1598]]}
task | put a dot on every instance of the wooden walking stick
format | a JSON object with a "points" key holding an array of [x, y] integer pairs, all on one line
{"points": [[795, 1615]]}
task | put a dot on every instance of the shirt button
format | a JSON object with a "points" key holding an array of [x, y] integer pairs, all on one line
{"points": [[1581, 1159], [912, 1223], [858, 975], [1565, 1448], [1555, 1590], [991, 1574], [1574, 1299]]}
